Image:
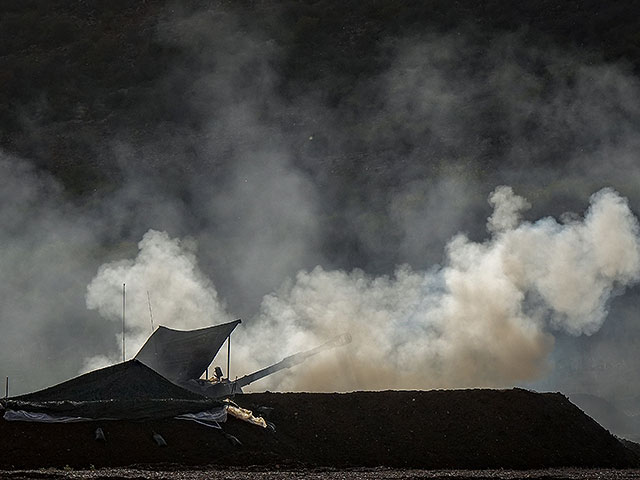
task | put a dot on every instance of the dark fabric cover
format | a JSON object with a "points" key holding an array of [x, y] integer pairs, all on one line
{"points": [[128, 390], [124, 381], [140, 409], [182, 355]]}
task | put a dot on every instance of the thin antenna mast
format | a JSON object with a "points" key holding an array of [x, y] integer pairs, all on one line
{"points": [[150, 311], [229, 357], [123, 316]]}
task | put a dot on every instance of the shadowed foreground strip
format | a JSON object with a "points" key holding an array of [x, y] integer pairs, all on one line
{"points": [[380, 473], [471, 429]]}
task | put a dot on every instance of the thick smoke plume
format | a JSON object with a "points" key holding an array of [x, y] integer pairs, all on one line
{"points": [[182, 296], [484, 318]]}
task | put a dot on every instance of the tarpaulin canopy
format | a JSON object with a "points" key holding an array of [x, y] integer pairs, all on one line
{"points": [[182, 355], [128, 390]]}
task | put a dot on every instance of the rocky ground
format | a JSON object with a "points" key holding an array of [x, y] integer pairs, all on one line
{"points": [[323, 474]]}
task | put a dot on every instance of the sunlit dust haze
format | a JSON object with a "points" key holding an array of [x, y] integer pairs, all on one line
{"points": [[486, 317]]}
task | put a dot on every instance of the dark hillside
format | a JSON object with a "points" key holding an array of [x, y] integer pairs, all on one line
{"points": [[75, 75]]}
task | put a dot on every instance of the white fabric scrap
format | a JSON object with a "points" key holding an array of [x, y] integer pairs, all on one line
{"points": [[246, 415]]}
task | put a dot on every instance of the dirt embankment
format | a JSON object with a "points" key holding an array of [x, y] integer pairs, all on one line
{"points": [[436, 429]]}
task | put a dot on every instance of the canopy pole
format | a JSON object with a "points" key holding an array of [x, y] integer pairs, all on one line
{"points": [[123, 316], [229, 357], [150, 311]]}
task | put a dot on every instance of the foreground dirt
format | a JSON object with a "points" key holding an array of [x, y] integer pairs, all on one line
{"points": [[471, 429], [356, 474]]}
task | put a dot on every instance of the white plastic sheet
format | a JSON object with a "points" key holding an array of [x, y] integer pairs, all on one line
{"points": [[24, 416], [207, 417]]}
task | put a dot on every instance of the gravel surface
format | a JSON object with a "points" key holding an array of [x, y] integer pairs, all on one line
{"points": [[319, 474]]}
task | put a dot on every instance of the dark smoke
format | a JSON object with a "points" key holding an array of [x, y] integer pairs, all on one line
{"points": [[263, 184]]}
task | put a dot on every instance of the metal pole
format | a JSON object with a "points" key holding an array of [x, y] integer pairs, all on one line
{"points": [[123, 316], [229, 357], [6, 388], [150, 311]]}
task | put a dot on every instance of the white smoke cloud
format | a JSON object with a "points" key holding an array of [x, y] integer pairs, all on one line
{"points": [[485, 318], [181, 296], [506, 209]]}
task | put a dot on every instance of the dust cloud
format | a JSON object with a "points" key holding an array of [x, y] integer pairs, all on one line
{"points": [[486, 317]]}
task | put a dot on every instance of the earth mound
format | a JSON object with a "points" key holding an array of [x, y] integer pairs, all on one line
{"points": [[433, 429]]}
